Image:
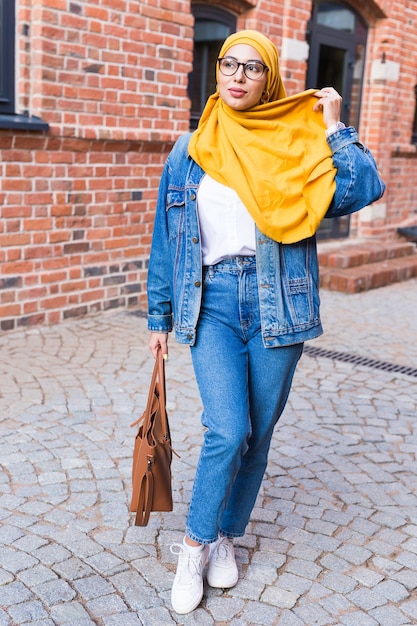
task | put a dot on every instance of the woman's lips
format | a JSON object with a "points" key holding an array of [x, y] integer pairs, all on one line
{"points": [[237, 93]]}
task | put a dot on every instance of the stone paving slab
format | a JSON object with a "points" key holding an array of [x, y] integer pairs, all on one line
{"points": [[333, 537]]}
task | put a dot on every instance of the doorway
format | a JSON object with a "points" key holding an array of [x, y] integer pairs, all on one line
{"points": [[337, 38], [211, 27]]}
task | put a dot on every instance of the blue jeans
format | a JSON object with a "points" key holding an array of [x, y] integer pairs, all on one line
{"points": [[244, 388]]}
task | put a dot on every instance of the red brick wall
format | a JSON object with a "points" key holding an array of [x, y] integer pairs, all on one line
{"points": [[111, 69], [110, 78], [76, 225], [388, 105]]}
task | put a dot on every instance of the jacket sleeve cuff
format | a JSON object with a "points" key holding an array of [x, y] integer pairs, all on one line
{"points": [[160, 323], [342, 138]]}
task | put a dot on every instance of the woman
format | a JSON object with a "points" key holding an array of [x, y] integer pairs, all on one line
{"points": [[234, 270]]}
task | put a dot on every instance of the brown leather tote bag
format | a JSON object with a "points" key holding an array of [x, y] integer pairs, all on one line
{"points": [[152, 453]]}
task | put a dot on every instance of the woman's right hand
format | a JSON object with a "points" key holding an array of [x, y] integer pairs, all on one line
{"points": [[159, 341]]}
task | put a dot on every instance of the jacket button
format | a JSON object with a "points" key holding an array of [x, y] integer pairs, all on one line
{"points": [[197, 283], [192, 196], [195, 240]]}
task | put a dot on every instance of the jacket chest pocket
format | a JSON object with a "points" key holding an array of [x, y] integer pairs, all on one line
{"points": [[175, 207], [299, 297]]}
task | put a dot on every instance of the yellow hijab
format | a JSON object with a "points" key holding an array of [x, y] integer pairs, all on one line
{"points": [[274, 155]]}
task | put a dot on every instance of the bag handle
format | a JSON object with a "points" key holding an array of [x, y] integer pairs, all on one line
{"points": [[162, 388], [160, 366], [158, 374]]}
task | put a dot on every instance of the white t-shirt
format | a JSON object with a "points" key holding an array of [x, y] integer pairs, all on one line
{"points": [[226, 227]]}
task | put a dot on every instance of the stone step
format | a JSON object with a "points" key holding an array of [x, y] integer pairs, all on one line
{"points": [[355, 254], [353, 279]]}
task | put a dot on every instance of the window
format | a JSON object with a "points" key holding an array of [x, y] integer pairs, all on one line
{"points": [[7, 61], [336, 16], [211, 27]]}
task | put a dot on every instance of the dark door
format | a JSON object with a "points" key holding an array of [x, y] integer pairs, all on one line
{"points": [[337, 40], [334, 62]]}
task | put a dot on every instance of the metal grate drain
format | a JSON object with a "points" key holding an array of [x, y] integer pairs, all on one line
{"points": [[360, 360]]}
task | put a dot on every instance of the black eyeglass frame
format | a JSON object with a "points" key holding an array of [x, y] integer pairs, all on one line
{"points": [[265, 67]]}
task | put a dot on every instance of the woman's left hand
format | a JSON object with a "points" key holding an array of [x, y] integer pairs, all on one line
{"points": [[331, 103]]}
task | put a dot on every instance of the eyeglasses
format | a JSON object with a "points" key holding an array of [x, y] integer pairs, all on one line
{"points": [[252, 69]]}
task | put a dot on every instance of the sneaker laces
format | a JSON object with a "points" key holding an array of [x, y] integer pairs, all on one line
{"points": [[223, 551], [188, 565]]}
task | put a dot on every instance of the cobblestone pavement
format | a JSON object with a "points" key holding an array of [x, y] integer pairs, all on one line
{"points": [[333, 537]]}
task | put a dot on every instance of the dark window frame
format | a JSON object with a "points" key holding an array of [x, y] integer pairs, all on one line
{"points": [[8, 116], [414, 130], [7, 57]]}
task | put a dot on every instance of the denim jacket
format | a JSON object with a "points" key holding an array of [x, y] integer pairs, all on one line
{"points": [[288, 274]]}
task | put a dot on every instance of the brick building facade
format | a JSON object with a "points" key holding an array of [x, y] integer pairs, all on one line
{"points": [[97, 94]]}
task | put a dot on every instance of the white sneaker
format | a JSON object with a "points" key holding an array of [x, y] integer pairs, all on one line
{"points": [[222, 570], [187, 590]]}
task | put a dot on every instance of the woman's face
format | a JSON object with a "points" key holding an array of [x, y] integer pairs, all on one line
{"points": [[238, 91]]}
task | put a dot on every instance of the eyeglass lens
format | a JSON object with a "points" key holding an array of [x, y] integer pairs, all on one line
{"points": [[252, 69]]}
